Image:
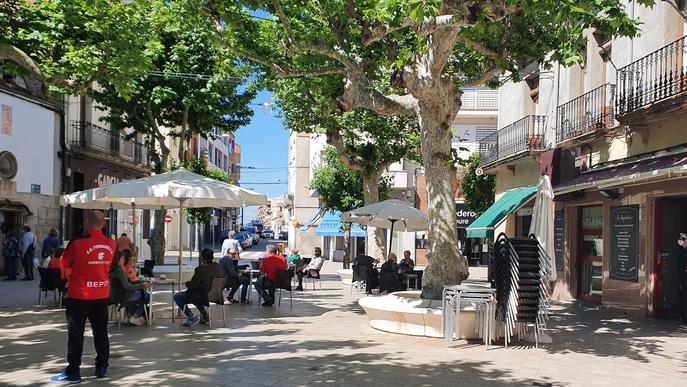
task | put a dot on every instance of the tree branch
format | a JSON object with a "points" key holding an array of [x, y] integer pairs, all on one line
{"points": [[428, 26], [359, 93], [308, 74], [479, 48], [489, 75], [335, 139]]}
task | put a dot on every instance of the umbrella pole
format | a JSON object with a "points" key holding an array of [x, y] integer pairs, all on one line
{"points": [[391, 237], [181, 225], [133, 223]]}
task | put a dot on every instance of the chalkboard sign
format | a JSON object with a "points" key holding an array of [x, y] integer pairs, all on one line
{"points": [[559, 239], [624, 239], [421, 244]]}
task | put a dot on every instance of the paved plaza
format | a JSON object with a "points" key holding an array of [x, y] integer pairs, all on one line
{"points": [[325, 340]]}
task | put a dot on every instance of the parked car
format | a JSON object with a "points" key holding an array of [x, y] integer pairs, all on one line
{"points": [[242, 239], [255, 236], [267, 234], [283, 235]]}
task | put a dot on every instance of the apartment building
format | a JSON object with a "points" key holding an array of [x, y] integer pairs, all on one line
{"points": [[612, 135]]}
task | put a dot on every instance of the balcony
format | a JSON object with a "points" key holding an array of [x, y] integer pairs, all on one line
{"points": [[479, 99], [85, 136], [517, 139], [655, 81], [590, 113]]}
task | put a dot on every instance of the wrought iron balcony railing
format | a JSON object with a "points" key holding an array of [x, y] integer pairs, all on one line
{"points": [[86, 135], [653, 78], [587, 113], [524, 135]]}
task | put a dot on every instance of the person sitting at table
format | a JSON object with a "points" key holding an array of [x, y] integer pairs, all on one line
{"points": [[54, 260], [198, 287], [129, 268], [393, 272], [269, 266], [406, 263], [232, 278], [125, 291], [294, 256], [313, 268], [372, 274]]}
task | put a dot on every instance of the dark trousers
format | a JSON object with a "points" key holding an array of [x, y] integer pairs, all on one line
{"points": [[77, 313], [181, 300], [265, 288], [683, 297], [27, 262], [10, 270], [243, 283]]}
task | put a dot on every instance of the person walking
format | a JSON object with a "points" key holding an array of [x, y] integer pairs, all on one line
{"points": [[10, 250], [88, 296], [27, 250], [50, 243], [229, 243]]}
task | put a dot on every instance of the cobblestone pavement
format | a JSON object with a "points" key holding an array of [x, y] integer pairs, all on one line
{"points": [[325, 340]]}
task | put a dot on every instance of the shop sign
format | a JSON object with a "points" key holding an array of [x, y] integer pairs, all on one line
{"points": [[421, 244], [104, 179], [464, 216], [559, 239], [624, 257]]}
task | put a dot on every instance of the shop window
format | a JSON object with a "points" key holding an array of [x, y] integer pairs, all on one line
{"points": [[591, 254]]}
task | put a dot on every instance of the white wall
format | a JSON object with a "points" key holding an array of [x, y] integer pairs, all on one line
{"points": [[34, 142]]}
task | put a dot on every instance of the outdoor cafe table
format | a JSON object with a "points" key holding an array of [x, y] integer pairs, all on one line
{"points": [[151, 291], [251, 275]]}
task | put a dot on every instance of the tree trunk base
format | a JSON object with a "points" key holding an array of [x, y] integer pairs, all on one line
{"points": [[431, 293]]}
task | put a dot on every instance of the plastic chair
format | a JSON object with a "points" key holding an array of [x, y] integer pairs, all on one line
{"points": [[216, 296], [360, 277], [314, 276], [387, 282], [50, 282], [147, 269], [283, 282]]}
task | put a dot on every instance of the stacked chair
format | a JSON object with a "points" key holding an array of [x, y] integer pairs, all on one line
{"points": [[520, 275]]}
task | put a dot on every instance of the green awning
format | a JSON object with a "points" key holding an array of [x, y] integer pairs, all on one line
{"points": [[510, 202]]}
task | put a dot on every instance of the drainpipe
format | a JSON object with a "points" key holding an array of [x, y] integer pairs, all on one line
{"points": [[63, 168]]}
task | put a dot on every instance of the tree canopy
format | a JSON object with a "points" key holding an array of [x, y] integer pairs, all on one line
{"points": [[478, 190]]}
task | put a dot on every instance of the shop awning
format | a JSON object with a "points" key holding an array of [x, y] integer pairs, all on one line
{"points": [[510, 202], [626, 171], [331, 225], [312, 220]]}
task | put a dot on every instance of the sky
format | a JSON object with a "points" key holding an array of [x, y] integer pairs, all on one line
{"points": [[264, 145]]}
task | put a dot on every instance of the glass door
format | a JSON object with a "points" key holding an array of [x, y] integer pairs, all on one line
{"points": [[590, 268]]}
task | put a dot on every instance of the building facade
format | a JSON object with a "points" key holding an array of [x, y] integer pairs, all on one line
{"points": [[29, 168], [611, 133]]}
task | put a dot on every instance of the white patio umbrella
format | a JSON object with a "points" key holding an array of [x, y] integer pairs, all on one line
{"points": [[542, 220], [176, 189], [392, 214]]}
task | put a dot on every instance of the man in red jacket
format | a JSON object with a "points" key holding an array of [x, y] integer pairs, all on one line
{"points": [[272, 263], [89, 259]]}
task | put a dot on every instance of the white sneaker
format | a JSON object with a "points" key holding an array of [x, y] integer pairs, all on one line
{"points": [[138, 321]]}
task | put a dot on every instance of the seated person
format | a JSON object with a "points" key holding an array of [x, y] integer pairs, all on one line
{"points": [[313, 268], [294, 256], [372, 275], [198, 287], [269, 266], [406, 263], [232, 278], [132, 291], [129, 265], [54, 260], [391, 267]]}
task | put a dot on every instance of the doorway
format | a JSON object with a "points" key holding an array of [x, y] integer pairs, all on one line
{"points": [[590, 260], [670, 221]]}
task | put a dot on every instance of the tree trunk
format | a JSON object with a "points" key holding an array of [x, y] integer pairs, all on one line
{"points": [[347, 246], [182, 136], [446, 264], [158, 246], [376, 248]]}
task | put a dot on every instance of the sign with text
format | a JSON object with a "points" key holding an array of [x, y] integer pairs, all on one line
{"points": [[464, 216], [421, 244], [559, 239], [624, 243], [6, 120]]}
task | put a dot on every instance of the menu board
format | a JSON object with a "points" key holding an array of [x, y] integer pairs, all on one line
{"points": [[559, 239], [624, 241]]}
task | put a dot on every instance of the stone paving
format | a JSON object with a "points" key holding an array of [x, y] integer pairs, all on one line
{"points": [[325, 340]]}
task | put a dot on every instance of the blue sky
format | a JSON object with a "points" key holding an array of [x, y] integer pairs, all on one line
{"points": [[264, 145]]}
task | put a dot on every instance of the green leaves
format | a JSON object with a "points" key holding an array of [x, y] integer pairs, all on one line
{"points": [[479, 191]]}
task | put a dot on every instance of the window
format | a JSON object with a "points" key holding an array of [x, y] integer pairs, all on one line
{"points": [[224, 163], [8, 165], [211, 152], [218, 158]]}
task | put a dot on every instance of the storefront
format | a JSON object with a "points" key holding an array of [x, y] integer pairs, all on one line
{"points": [[92, 173], [615, 233]]}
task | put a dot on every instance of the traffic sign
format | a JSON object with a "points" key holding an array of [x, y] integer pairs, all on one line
{"points": [[168, 218]]}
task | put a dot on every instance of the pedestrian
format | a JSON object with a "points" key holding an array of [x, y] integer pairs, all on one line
{"points": [[88, 296], [124, 243], [27, 251], [682, 241], [50, 243], [231, 242], [10, 250]]}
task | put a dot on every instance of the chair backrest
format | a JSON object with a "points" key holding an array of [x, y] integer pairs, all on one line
{"points": [[50, 279], [216, 294], [314, 273], [147, 269], [306, 261], [298, 263], [283, 280], [387, 281], [116, 292]]}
